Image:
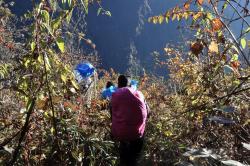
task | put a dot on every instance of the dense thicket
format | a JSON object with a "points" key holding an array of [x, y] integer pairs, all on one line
{"points": [[200, 115]]}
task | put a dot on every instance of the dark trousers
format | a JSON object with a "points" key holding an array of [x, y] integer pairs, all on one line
{"points": [[130, 151]]}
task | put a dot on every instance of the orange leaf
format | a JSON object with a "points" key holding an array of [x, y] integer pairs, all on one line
{"points": [[186, 5], [200, 2], [216, 24]]}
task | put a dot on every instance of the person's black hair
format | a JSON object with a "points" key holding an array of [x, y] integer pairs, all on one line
{"points": [[122, 81], [109, 84]]}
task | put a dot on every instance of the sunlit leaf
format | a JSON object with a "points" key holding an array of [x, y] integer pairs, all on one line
{"points": [[243, 43], [235, 57], [200, 2], [216, 24], [197, 15], [247, 30], [155, 20], [69, 16], [46, 16], [52, 130], [168, 133], [174, 17], [213, 47], [32, 46], [186, 5], [64, 78], [60, 44], [99, 11], [108, 13], [74, 83], [161, 19], [56, 24]]}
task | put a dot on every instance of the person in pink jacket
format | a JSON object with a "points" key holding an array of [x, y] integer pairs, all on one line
{"points": [[129, 114]]}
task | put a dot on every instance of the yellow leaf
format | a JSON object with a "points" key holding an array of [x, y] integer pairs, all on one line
{"points": [[160, 19], [155, 20]]}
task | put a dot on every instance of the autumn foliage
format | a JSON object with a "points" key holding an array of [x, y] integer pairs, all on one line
{"points": [[48, 119]]}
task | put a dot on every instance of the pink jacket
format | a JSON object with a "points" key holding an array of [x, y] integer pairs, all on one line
{"points": [[129, 114]]}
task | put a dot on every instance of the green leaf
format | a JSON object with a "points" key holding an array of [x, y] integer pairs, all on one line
{"points": [[55, 24], [243, 43], [46, 16], [60, 44]]}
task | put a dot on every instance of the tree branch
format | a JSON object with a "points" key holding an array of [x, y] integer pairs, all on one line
{"points": [[231, 34], [24, 130]]}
